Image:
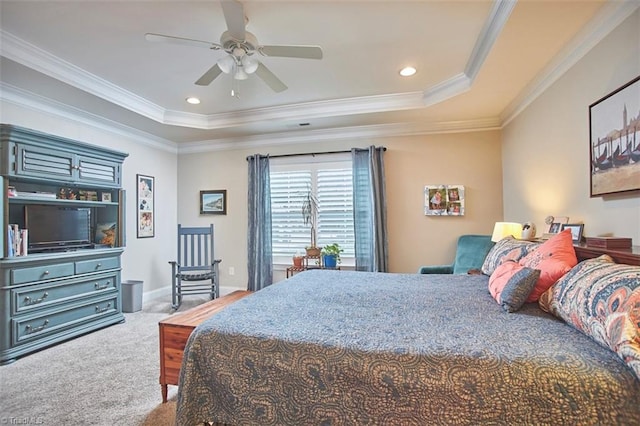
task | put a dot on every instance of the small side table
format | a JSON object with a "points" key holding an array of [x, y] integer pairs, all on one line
{"points": [[315, 264]]}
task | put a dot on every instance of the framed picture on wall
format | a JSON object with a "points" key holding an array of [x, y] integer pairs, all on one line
{"points": [[444, 200], [145, 206], [213, 202], [614, 131]]}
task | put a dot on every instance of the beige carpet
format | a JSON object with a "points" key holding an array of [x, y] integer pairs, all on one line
{"points": [[108, 377]]}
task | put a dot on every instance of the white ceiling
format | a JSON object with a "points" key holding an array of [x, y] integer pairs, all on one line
{"points": [[479, 62]]}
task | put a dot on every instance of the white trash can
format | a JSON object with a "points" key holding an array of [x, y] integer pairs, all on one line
{"points": [[131, 296]]}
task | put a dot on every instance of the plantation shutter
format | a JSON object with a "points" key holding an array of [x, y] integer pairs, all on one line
{"points": [[335, 202], [289, 234], [332, 184]]}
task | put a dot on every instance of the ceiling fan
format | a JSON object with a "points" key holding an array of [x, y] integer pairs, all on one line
{"points": [[241, 46]]}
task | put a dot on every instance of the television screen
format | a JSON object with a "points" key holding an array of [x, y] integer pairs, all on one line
{"points": [[53, 227]]}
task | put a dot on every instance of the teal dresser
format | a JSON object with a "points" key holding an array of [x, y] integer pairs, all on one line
{"points": [[63, 193]]}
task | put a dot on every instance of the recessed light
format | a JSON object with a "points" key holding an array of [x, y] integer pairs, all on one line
{"points": [[193, 100], [407, 71]]}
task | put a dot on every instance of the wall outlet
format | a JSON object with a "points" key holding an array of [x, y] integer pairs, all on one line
{"points": [[232, 270]]}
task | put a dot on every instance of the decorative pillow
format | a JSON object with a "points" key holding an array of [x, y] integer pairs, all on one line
{"points": [[554, 258], [602, 299], [511, 283], [506, 249]]}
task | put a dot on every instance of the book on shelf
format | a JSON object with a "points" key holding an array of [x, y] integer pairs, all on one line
{"points": [[36, 194], [18, 241]]}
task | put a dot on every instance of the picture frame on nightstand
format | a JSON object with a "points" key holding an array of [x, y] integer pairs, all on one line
{"points": [[576, 231], [554, 226]]}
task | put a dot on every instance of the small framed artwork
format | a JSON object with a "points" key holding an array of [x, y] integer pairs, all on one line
{"points": [[554, 225], [444, 200], [576, 231], [106, 196], [614, 144], [145, 206], [213, 202]]}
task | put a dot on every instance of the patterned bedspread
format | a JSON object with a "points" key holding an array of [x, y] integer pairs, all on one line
{"points": [[354, 348]]}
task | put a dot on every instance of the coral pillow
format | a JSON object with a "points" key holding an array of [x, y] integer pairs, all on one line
{"points": [[511, 283], [554, 258], [601, 299]]}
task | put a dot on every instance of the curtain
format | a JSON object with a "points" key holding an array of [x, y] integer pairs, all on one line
{"points": [[370, 210], [260, 265]]}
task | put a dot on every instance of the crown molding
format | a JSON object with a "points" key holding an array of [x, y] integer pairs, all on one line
{"points": [[338, 134], [44, 62], [300, 111], [609, 18], [40, 104], [611, 15], [492, 28], [29, 100], [32, 56], [454, 86], [460, 83], [40, 60]]}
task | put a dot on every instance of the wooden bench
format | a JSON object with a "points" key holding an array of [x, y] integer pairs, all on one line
{"points": [[175, 331]]}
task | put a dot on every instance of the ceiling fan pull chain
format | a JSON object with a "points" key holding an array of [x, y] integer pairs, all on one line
{"points": [[235, 88]]}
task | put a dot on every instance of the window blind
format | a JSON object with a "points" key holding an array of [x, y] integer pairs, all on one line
{"points": [[332, 185]]}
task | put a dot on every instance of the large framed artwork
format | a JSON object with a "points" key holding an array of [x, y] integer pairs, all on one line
{"points": [[145, 206], [444, 200], [614, 132]]}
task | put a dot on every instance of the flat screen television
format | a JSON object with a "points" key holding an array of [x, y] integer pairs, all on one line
{"points": [[53, 228]]}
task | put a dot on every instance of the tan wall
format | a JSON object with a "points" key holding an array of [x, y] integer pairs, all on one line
{"points": [[546, 148], [470, 159], [143, 259]]}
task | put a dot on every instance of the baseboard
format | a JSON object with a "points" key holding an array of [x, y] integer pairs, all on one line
{"points": [[166, 291]]}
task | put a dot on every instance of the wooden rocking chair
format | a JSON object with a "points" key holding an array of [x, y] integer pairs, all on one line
{"points": [[196, 270]]}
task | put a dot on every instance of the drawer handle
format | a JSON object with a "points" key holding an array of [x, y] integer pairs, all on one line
{"points": [[45, 273], [106, 308], [102, 287], [30, 301], [99, 265], [31, 329]]}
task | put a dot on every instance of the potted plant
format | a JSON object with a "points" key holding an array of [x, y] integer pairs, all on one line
{"points": [[297, 260], [310, 217], [331, 255]]}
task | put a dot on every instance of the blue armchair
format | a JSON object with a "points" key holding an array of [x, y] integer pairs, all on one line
{"points": [[470, 254]]}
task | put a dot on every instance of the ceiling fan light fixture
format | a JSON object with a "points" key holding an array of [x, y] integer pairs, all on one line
{"points": [[249, 64], [407, 71], [226, 64], [241, 74]]}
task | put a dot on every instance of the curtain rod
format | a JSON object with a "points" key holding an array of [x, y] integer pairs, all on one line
{"points": [[313, 154]]}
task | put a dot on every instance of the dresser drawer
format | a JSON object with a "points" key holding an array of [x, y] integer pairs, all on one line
{"points": [[97, 265], [39, 273], [34, 327], [26, 299]]}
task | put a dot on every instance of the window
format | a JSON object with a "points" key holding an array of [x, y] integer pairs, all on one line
{"points": [[330, 178]]}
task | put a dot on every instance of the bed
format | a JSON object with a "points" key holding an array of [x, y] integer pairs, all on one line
{"points": [[339, 347]]}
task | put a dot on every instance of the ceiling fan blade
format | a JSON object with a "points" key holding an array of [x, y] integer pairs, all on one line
{"points": [[305, 52], [209, 76], [234, 15], [270, 78], [180, 40]]}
